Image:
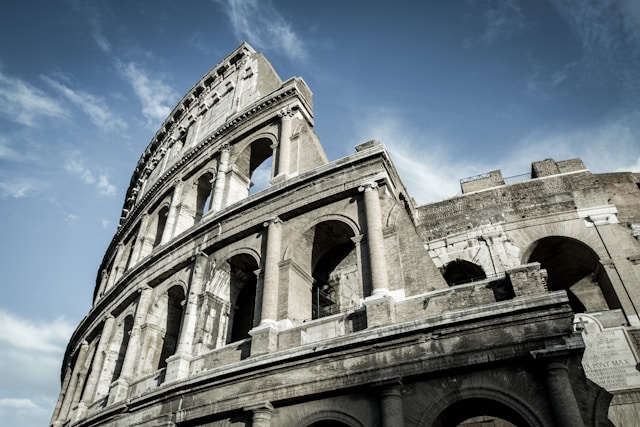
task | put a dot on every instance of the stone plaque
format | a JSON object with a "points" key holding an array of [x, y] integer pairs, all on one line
{"points": [[608, 358]]}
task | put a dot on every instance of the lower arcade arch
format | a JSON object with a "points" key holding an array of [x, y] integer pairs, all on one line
{"points": [[461, 271], [334, 268], [573, 266], [242, 295], [479, 411]]}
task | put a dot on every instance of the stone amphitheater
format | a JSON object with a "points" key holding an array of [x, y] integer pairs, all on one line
{"points": [[329, 298]]}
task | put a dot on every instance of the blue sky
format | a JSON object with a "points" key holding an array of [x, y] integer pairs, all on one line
{"points": [[453, 89]]}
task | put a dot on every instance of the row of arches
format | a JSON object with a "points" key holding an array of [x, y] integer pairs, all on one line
{"points": [[571, 265]]}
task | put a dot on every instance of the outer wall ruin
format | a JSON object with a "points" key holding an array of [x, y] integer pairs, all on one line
{"points": [[329, 298]]}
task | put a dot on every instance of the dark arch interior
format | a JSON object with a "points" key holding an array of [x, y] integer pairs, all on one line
{"points": [[175, 300], [461, 271], [332, 247], [477, 412], [243, 294], [203, 197], [573, 266], [328, 423]]}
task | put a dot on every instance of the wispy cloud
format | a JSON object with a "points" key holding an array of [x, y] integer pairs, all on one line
{"points": [[101, 182], [501, 19], [24, 103], [609, 32], [428, 171], [260, 23], [7, 152], [30, 363], [19, 188], [156, 96], [432, 173], [93, 106]]}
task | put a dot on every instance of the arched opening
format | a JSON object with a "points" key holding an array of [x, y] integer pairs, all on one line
{"points": [[251, 171], [203, 196], [127, 326], [462, 271], [243, 282], [328, 423], [334, 269], [161, 222], [575, 267], [175, 308], [480, 412]]}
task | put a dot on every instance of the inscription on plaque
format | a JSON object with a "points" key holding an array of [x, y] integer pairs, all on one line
{"points": [[608, 359]]}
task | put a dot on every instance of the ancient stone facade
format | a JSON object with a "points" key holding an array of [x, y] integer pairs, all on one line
{"points": [[329, 298]]}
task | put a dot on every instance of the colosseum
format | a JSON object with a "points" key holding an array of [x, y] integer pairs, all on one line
{"points": [[327, 297]]}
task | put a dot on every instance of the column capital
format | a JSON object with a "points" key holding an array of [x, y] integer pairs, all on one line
{"points": [[368, 186], [274, 220], [286, 112]]}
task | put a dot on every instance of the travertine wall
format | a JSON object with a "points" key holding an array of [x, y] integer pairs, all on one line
{"points": [[323, 298]]}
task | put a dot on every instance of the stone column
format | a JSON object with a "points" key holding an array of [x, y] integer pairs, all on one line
{"points": [[269, 309], [178, 364], [264, 337], [284, 144], [96, 371], [140, 241], [221, 177], [113, 274], [176, 199], [262, 414], [375, 240], [104, 277], [391, 406], [120, 388], [563, 400], [75, 381], [65, 387]]}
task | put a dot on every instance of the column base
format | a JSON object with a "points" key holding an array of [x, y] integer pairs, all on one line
{"points": [[381, 310], [264, 339], [177, 367], [118, 391], [80, 412]]}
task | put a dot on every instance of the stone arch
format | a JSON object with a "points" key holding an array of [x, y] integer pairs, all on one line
{"points": [[120, 344], [162, 326], [204, 193], [246, 162], [467, 404], [461, 271], [331, 418], [324, 258], [158, 224], [574, 266], [242, 295]]}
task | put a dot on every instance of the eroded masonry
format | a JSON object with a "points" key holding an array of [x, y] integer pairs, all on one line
{"points": [[329, 298]]}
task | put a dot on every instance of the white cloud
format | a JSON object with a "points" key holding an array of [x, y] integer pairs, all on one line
{"points": [[263, 26], [23, 103], [30, 362], [92, 106], [156, 96], [501, 19], [76, 167], [432, 173], [7, 152], [609, 32], [105, 187], [427, 170], [608, 146], [105, 223], [18, 189]]}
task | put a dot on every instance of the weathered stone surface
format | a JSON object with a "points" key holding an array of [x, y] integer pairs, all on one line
{"points": [[330, 297]]}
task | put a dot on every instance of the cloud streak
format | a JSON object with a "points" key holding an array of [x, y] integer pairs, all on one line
{"points": [[94, 107], [260, 23], [101, 182], [30, 366], [432, 173], [156, 96], [23, 103]]}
